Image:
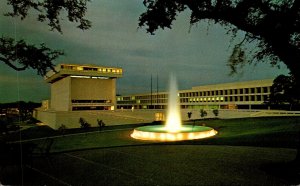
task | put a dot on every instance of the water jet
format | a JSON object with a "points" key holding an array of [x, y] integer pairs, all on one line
{"points": [[173, 130]]}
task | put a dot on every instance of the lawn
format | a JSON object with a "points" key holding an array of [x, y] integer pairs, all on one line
{"points": [[249, 151], [259, 132]]}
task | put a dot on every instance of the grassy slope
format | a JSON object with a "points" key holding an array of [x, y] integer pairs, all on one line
{"points": [[269, 132], [264, 132], [165, 164]]}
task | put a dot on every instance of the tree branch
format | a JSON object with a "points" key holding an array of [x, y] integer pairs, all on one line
{"points": [[13, 66]]}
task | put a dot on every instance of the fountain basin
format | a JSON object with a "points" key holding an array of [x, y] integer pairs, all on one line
{"points": [[159, 133]]}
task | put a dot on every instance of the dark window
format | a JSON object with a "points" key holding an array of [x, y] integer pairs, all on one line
{"points": [[258, 89]]}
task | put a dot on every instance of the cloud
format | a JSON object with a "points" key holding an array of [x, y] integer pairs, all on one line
{"points": [[198, 55]]}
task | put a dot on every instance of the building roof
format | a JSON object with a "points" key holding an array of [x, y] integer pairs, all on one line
{"points": [[65, 70]]}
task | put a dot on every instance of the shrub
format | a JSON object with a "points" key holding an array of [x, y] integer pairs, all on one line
{"points": [[101, 124], [62, 129], [84, 124], [216, 112], [203, 113], [189, 115]]}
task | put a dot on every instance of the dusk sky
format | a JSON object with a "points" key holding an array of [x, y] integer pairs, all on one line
{"points": [[197, 56]]}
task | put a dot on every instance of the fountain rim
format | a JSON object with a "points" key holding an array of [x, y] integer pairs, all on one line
{"points": [[184, 129], [164, 135]]}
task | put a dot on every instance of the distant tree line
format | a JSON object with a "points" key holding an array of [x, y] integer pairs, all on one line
{"points": [[24, 109]]}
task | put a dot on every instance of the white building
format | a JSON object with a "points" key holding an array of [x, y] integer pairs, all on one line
{"points": [[237, 95], [76, 88]]}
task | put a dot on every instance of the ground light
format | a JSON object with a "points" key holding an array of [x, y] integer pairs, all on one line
{"points": [[160, 133], [173, 130]]}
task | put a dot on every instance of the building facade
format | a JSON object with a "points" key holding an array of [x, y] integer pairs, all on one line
{"points": [[78, 88], [238, 95], [83, 87]]}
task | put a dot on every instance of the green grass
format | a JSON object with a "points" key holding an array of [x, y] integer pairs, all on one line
{"points": [[239, 154], [267, 132], [260, 132]]}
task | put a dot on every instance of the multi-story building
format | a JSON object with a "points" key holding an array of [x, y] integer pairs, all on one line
{"points": [[76, 88], [83, 87], [241, 95]]}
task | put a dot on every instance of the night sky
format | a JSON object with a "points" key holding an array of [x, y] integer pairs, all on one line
{"points": [[197, 55]]}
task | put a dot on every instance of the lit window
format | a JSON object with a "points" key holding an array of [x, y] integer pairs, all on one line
{"points": [[108, 70], [100, 69], [104, 69], [217, 98], [79, 68], [222, 98]]}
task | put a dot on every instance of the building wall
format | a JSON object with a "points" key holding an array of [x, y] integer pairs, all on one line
{"points": [[93, 89], [93, 92], [244, 95], [60, 94]]}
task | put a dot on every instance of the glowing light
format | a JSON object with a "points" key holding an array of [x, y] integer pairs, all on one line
{"points": [[173, 123], [173, 129], [158, 133]]}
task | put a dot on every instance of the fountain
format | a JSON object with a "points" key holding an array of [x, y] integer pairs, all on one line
{"points": [[173, 130]]}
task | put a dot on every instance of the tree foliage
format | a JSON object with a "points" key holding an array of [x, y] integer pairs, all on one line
{"points": [[203, 113], [273, 25], [50, 10], [18, 54], [283, 91]]}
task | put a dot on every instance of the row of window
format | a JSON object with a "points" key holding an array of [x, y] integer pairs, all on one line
{"points": [[90, 101], [91, 108], [241, 91], [199, 99], [226, 99], [253, 90], [99, 69]]}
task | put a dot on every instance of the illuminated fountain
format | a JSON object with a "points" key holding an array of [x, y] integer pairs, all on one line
{"points": [[173, 130]]}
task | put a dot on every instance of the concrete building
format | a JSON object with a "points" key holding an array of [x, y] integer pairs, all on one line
{"points": [[76, 88], [89, 92], [238, 95]]}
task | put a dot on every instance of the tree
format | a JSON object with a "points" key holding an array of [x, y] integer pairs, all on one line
{"points": [[216, 112], [101, 124], [189, 115], [84, 124], [18, 54], [62, 129], [274, 26], [21, 56], [203, 113], [283, 91]]}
